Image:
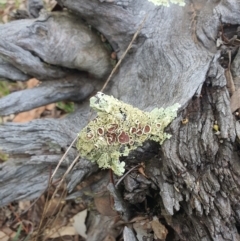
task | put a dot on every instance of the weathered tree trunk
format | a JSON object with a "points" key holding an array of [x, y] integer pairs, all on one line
{"points": [[174, 59]]}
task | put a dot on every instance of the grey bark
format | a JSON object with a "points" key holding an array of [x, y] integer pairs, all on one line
{"points": [[34, 47], [72, 88], [173, 60]]}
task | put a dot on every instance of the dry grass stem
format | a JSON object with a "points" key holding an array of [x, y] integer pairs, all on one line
{"points": [[124, 54], [61, 160]]}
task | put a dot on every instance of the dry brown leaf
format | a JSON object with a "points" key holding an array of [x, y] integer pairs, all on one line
{"points": [[6, 12], [109, 238], [32, 83], [53, 206], [138, 219], [24, 205], [103, 204], [143, 229], [159, 229], [29, 115], [141, 170], [5, 18], [50, 106], [235, 101], [230, 83], [60, 232], [6, 233], [3, 236], [145, 224]]}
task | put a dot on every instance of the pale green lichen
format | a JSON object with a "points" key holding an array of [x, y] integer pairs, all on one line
{"points": [[166, 2], [120, 128]]}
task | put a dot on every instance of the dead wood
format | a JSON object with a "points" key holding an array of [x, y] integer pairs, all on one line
{"points": [[195, 175], [72, 88], [40, 51]]}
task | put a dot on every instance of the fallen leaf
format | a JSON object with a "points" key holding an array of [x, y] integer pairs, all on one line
{"points": [[29, 115], [32, 83], [109, 238], [143, 228], [230, 83], [79, 223], [235, 101], [50, 106], [104, 204], [3, 236], [24, 205], [159, 229], [60, 232], [141, 170], [138, 219], [6, 233], [53, 206]]}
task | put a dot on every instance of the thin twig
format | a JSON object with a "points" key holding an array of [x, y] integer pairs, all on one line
{"points": [[61, 160], [124, 54], [46, 208], [41, 224], [118, 182], [34, 202], [65, 174]]}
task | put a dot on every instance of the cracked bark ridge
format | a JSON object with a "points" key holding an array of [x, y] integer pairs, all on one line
{"points": [[200, 165], [174, 60], [37, 144], [40, 51], [72, 88]]}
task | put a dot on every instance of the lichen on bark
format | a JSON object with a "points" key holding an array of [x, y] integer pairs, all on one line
{"points": [[120, 128], [166, 2]]}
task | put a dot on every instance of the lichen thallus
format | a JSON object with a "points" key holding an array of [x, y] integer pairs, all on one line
{"points": [[117, 129], [120, 128]]}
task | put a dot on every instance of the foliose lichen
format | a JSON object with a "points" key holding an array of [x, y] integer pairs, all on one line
{"points": [[166, 2], [120, 128]]}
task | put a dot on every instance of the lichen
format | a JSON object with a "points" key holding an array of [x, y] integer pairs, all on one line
{"points": [[120, 128], [166, 2]]}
